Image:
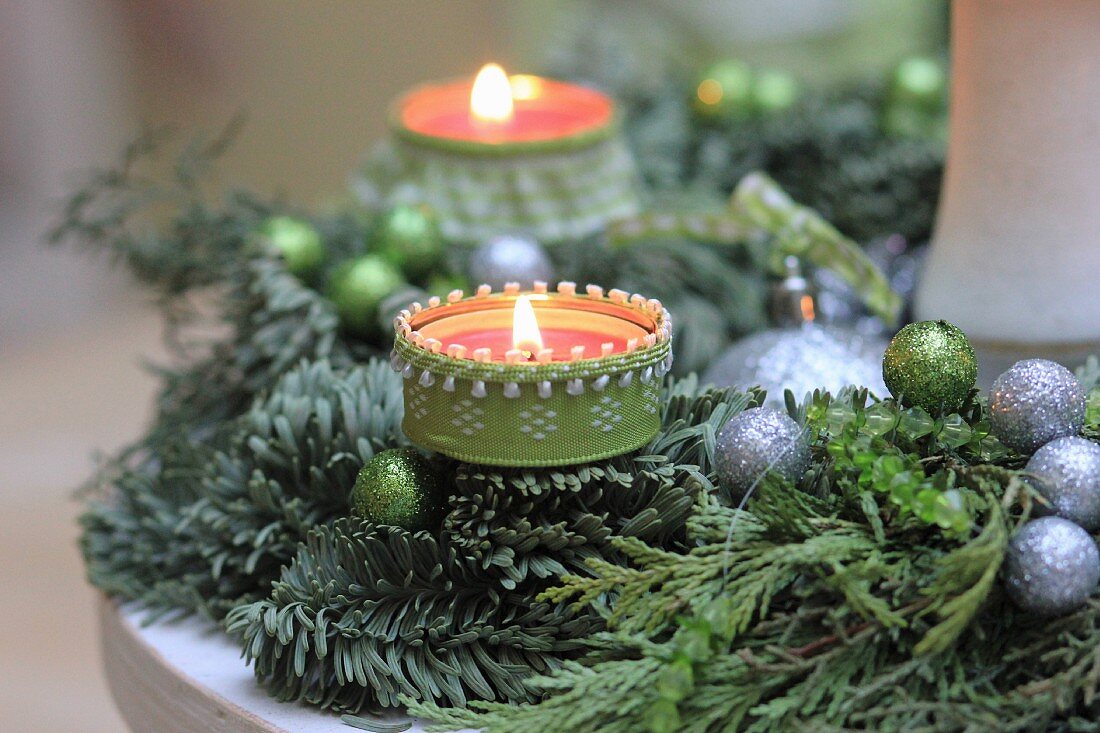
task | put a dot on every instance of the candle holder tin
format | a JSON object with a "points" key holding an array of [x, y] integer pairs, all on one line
{"points": [[566, 186], [537, 413]]}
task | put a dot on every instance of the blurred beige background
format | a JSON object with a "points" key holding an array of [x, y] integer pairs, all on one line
{"points": [[79, 79]]}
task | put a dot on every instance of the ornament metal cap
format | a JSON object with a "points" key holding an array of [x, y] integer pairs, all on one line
{"points": [[537, 412]]}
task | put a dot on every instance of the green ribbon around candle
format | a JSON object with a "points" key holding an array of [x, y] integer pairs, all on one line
{"points": [[554, 414]]}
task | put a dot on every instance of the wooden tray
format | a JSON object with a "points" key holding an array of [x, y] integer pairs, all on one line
{"points": [[187, 676]]}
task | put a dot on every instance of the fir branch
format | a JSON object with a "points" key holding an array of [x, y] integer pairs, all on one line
{"points": [[169, 232], [365, 614], [508, 533], [202, 529]]}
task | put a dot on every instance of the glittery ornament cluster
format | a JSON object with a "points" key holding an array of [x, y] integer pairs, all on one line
{"points": [[1068, 473], [510, 258], [930, 364], [399, 488], [800, 359], [1052, 567], [755, 442], [1034, 402]]}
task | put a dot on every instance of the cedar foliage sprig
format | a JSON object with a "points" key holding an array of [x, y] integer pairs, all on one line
{"points": [[856, 602]]}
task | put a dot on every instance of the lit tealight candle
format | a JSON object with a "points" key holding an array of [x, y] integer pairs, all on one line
{"points": [[548, 155], [526, 336], [533, 379], [498, 109], [491, 97], [513, 327]]}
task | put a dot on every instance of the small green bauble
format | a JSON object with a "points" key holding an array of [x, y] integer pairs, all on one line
{"points": [[774, 91], [441, 284], [919, 83], [297, 241], [359, 286], [725, 90], [930, 364], [409, 237], [399, 488]]}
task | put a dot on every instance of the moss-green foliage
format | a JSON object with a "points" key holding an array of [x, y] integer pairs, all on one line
{"points": [[829, 151], [837, 605]]}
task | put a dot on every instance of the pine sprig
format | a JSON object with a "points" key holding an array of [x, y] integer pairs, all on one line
{"points": [[121, 211], [808, 657]]}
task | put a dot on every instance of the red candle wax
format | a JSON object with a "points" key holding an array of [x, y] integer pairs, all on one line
{"points": [[544, 110], [561, 340], [562, 329]]}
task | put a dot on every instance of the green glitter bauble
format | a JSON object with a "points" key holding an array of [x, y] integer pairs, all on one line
{"points": [[774, 91], [398, 488], [725, 90], [359, 286], [930, 364], [409, 237], [297, 241]]}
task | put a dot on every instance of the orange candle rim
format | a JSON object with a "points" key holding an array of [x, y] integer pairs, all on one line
{"points": [[647, 314], [605, 125]]}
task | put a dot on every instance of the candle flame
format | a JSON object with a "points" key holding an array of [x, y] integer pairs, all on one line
{"points": [[491, 97], [525, 327], [525, 86], [806, 305], [710, 92]]}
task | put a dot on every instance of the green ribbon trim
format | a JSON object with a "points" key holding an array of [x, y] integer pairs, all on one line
{"points": [[478, 149], [801, 231], [442, 365], [759, 205], [529, 430]]}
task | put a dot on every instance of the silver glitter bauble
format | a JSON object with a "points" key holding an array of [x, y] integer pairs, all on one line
{"points": [[755, 442], [800, 359], [510, 258], [1052, 566], [1034, 402], [1069, 477]]}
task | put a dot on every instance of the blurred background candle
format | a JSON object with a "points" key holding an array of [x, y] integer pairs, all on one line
{"points": [[498, 111], [497, 154]]}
